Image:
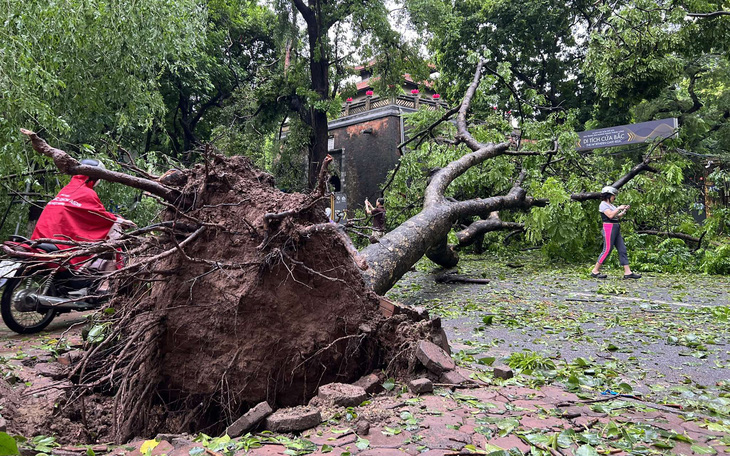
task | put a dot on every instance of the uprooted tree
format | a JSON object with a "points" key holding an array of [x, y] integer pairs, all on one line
{"points": [[245, 293]]}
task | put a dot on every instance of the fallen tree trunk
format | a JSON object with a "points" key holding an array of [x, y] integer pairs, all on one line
{"points": [[259, 298]]}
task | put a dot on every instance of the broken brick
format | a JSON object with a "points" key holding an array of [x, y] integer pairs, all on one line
{"points": [[452, 378], [249, 419], [370, 383], [293, 419], [434, 358], [503, 372], [420, 386], [70, 358], [342, 394]]}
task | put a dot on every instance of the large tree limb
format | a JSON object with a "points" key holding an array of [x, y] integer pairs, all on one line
{"points": [[428, 131], [445, 176], [636, 170], [463, 134], [493, 223], [69, 165], [441, 180]]}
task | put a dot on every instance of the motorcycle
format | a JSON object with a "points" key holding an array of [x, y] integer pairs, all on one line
{"points": [[35, 288]]}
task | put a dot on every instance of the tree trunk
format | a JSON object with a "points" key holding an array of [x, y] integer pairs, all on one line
{"points": [[317, 32]]}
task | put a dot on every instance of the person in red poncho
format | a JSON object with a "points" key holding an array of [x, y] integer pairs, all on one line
{"points": [[77, 214]]}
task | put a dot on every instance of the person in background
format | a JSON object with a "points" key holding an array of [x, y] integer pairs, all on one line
{"points": [[611, 216], [378, 213]]}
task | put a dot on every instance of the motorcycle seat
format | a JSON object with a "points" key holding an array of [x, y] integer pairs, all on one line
{"points": [[47, 247]]}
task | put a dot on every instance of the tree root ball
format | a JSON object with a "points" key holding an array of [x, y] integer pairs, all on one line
{"points": [[250, 308]]}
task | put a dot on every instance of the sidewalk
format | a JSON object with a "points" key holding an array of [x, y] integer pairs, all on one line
{"points": [[483, 420]]}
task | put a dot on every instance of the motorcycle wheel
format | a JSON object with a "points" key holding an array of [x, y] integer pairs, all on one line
{"points": [[25, 322]]}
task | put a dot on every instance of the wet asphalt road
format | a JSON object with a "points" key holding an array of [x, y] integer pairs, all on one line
{"points": [[664, 332]]}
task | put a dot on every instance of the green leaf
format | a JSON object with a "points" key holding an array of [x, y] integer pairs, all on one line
{"points": [[700, 449], [389, 384], [664, 444], [566, 438], [96, 335], [362, 444], [536, 439], [586, 450], [681, 438], [8, 445], [625, 388]]}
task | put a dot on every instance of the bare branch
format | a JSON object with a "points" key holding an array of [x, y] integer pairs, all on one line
{"points": [[464, 135], [682, 236], [709, 15], [322, 179], [69, 165]]}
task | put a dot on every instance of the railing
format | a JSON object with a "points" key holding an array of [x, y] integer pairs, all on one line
{"points": [[406, 101]]}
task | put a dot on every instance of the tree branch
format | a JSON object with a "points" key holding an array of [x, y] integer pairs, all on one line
{"points": [[492, 223], [636, 170], [440, 181], [322, 179], [709, 15], [69, 165], [669, 234]]}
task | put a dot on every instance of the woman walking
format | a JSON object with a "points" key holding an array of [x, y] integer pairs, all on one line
{"points": [[611, 216]]}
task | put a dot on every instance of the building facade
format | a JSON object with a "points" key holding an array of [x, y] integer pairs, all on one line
{"points": [[364, 142]]}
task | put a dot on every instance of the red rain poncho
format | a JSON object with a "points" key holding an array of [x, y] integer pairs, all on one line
{"points": [[76, 213]]}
